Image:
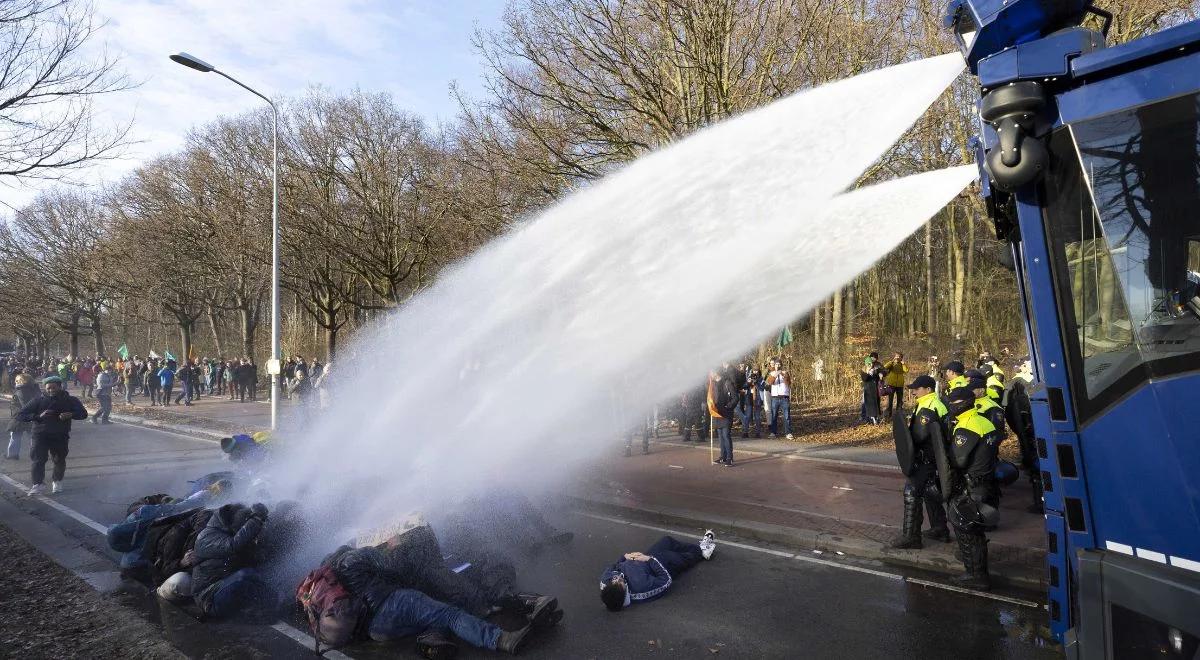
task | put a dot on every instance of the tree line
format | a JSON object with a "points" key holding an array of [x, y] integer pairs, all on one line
{"points": [[374, 201]]}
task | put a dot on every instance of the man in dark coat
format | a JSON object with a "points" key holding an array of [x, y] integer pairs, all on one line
{"points": [[225, 580], [51, 416]]}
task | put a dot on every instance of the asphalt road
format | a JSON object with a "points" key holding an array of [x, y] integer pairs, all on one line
{"points": [[748, 602]]}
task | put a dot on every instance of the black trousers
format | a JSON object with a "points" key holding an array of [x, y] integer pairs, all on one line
{"points": [[43, 448]]}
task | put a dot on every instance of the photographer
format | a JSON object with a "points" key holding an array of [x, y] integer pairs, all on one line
{"points": [[897, 374], [780, 382]]}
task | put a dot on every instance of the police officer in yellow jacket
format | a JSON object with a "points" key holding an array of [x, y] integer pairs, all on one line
{"points": [[973, 467], [954, 375], [995, 381], [985, 406], [926, 424]]}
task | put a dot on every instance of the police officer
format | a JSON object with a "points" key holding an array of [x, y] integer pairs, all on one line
{"points": [[926, 424], [973, 468], [985, 406], [995, 381], [954, 375], [1019, 415]]}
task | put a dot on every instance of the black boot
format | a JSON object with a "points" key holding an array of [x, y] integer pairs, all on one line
{"points": [[974, 558], [434, 645], [938, 531], [910, 535], [511, 641]]}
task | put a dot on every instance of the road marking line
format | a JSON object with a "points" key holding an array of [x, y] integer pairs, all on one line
{"points": [[305, 640], [675, 467], [843, 488], [283, 628], [973, 592], [848, 567], [78, 517], [832, 564]]}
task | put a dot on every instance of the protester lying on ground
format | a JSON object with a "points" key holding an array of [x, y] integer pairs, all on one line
{"points": [[368, 593], [641, 577], [225, 577], [479, 584], [153, 513], [171, 554], [499, 518]]}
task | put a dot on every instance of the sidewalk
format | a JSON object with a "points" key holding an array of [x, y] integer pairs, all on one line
{"points": [[813, 497]]}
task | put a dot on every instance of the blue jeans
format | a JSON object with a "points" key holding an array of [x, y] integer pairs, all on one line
{"points": [[408, 612], [724, 426], [244, 591], [749, 412], [781, 404], [675, 556]]}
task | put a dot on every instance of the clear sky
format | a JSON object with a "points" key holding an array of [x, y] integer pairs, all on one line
{"points": [[411, 48]]}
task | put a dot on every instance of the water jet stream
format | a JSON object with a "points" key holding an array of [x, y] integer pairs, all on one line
{"points": [[503, 370]]}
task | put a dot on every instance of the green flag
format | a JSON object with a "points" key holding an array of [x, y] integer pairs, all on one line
{"points": [[123, 352], [170, 357], [785, 336]]}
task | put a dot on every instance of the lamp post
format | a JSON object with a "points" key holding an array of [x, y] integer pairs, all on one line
{"points": [[273, 365]]}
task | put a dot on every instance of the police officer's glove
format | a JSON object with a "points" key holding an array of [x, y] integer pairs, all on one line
{"points": [[260, 511]]}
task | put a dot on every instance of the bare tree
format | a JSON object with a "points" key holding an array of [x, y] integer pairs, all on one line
{"points": [[48, 81]]}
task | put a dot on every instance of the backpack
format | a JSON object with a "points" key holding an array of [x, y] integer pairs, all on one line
{"points": [[331, 610]]}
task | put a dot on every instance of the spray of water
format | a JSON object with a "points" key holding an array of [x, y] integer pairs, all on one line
{"points": [[526, 361]]}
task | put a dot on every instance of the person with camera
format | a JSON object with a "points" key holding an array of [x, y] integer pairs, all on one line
{"points": [[780, 382], [897, 375]]}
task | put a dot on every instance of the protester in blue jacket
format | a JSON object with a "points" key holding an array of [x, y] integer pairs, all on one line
{"points": [[166, 378], [640, 577]]}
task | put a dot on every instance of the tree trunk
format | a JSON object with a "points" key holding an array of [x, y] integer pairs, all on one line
{"points": [[958, 266], [212, 324], [249, 326], [967, 320], [835, 324], [73, 328], [185, 335], [330, 343], [851, 309], [98, 335], [930, 327]]}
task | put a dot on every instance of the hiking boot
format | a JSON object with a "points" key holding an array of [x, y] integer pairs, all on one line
{"points": [[511, 641], [434, 645], [56, 487], [708, 544], [941, 534], [37, 489], [541, 609]]}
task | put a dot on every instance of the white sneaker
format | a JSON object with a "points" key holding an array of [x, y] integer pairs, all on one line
{"points": [[789, 437], [38, 489], [56, 487], [708, 545]]}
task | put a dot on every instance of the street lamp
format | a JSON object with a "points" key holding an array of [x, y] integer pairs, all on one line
{"points": [[273, 365]]}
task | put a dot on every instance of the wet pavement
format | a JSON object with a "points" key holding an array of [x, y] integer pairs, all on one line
{"points": [[755, 601]]}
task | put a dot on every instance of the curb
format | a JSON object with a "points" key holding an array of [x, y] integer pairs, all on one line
{"points": [[1011, 566], [195, 431]]}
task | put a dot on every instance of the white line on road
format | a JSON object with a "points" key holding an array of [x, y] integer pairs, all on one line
{"points": [[675, 467], [304, 640], [78, 517], [293, 634], [832, 564], [961, 590]]}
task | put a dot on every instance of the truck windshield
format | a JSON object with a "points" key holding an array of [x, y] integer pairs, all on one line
{"points": [[1123, 209]]}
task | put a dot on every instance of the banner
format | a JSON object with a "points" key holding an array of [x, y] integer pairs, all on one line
{"points": [[154, 356], [785, 336], [123, 351]]}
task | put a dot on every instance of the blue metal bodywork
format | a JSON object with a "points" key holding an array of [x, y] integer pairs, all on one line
{"points": [[1120, 476]]}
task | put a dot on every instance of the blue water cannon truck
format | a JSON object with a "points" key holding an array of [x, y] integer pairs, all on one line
{"points": [[1089, 158]]}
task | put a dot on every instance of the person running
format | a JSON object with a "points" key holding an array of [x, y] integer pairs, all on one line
{"points": [[51, 416], [645, 576]]}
